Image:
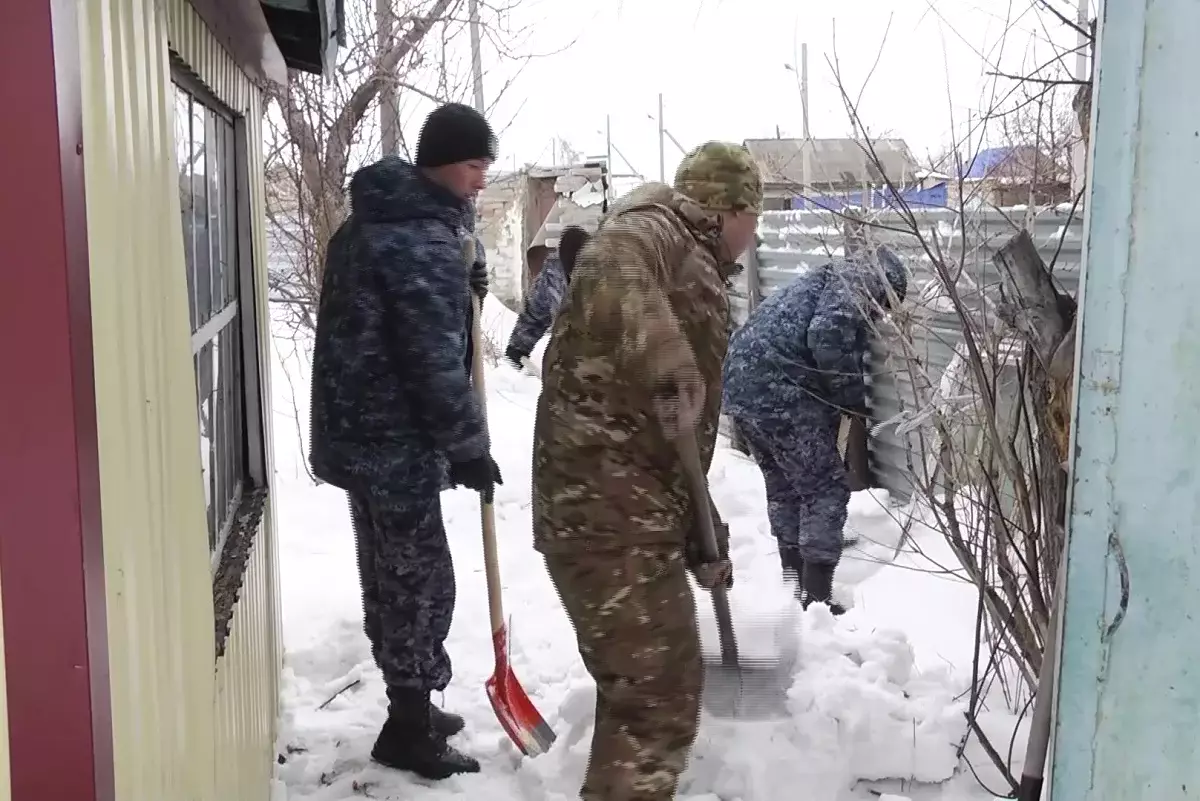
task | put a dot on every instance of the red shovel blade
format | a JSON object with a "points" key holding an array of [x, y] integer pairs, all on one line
{"points": [[516, 713]]}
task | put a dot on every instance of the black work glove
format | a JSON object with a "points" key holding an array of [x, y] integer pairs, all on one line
{"points": [[479, 281], [481, 475], [515, 356]]}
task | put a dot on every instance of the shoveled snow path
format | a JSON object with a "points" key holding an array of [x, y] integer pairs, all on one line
{"points": [[862, 706]]}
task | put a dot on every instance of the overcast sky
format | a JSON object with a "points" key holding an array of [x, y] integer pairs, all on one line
{"points": [[721, 66]]}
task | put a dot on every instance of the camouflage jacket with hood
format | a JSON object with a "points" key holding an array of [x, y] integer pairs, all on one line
{"points": [[647, 301], [803, 349], [391, 397]]}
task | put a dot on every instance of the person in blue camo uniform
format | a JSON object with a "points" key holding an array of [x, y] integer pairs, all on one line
{"points": [[548, 293], [394, 416], [793, 370]]}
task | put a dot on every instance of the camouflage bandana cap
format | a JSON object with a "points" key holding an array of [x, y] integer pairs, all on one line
{"points": [[721, 176]]}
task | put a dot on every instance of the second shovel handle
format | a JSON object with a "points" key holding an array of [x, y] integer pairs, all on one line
{"points": [[689, 455]]}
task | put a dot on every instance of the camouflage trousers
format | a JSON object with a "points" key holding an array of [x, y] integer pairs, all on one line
{"points": [[407, 579], [807, 488], [635, 622]]}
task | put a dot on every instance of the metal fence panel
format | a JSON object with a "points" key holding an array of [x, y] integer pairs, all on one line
{"points": [[794, 241]]}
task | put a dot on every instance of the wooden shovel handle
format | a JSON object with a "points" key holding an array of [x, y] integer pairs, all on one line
{"points": [[487, 513], [693, 469], [689, 455]]}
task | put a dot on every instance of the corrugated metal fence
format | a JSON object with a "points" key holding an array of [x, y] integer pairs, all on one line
{"points": [[793, 241]]}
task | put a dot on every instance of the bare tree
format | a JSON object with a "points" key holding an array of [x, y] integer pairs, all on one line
{"points": [[319, 130], [987, 432]]}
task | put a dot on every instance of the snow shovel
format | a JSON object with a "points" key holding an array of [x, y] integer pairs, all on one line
{"points": [[734, 687], [516, 713]]}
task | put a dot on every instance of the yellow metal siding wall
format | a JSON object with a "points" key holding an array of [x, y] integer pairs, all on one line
{"points": [[184, 728]]}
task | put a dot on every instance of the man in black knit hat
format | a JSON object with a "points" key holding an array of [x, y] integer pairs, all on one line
{"points": [[394, 417]]}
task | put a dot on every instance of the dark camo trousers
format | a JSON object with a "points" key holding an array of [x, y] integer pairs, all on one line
{"points": [[807, 489], [635, 622], [407, 579]]}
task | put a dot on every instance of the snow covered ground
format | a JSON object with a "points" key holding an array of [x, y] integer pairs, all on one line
{"points": [[875, 705]]}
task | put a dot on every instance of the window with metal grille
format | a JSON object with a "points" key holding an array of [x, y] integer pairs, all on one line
{"points": [[210, 148]]}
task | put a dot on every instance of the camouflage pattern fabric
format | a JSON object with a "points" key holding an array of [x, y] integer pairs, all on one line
{"points": [[547, 294], [635, 621], [807, 342], [721, 176], [391, 397], [807, 490], [407, 578], [647, 302], [795, 366], [646, 306]]}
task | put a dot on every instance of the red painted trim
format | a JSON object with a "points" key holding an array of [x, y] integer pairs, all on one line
{"points": [[51, 554]]}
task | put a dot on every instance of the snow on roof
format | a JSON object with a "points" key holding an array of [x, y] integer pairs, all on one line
{"points": [[833, 161]]}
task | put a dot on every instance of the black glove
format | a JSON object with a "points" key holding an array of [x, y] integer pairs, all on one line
{"points": [[515, 356], [479, 281], [481, 475]]}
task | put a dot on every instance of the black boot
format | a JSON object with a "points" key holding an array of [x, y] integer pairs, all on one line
{"points": [[445, 724], [793, 569], [817, 581], [409, 742]]}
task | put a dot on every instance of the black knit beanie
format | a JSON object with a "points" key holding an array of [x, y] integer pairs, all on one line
{"points": [[453, 133]]}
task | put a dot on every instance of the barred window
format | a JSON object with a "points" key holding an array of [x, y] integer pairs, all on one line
{"points": [[221, 308]]}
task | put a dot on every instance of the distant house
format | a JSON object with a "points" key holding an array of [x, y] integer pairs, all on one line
{"points": [[521, 214], [1011, 176], [831, 173]]}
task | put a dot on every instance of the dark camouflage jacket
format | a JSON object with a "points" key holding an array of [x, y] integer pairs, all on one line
{"points": [[804, 348], [545, 296], [391, 396], [647, 301]]}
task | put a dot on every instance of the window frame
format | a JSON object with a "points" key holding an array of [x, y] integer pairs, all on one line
{"points": [[233, 544]]}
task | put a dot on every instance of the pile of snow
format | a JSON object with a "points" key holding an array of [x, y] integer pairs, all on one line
{"points": [[870, 697]]}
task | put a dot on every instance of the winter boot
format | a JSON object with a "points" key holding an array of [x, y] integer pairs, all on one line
{"points": [[817, 581], [445, 724], [793, 568], [409, 742]]}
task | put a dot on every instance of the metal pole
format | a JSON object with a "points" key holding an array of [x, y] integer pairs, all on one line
{"points": [[806, 147], [662, 157], [674, 141], [804, 86], [476, 56], [608, 162]]}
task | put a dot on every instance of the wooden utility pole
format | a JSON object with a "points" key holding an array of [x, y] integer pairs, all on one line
{"points": [[389, 105], [476, 55]]}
